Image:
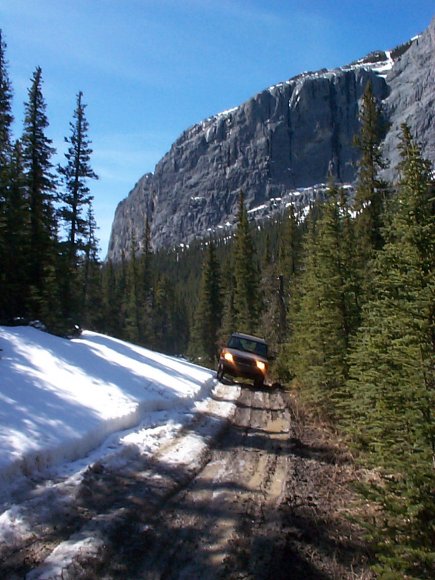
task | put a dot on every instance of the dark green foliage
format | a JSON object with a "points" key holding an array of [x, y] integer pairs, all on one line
{"points": [[370, 192], [169, 319], [41, 275], [16, 239], [76, 214], [5, 162], [323, 311], [208, 314], [90, 272], [228, 325], [40, 186], [132, 328], [75, 197], [246, 275], [347, 302], [392, 371]]}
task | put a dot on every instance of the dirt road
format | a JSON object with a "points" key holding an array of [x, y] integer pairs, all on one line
{"points": [[268, 500]]}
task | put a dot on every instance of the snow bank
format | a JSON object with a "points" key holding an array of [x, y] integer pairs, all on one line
{"points": [[60, 398]]}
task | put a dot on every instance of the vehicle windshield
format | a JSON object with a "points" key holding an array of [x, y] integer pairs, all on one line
{"points": [[247, 345]]}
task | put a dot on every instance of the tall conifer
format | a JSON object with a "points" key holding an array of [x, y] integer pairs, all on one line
{"points": [[40, 185], [208, 314], [246, 289], [323, 312], [6, 119], [392, 369], [76, 200], [15, 263], [371, 190], [75, 197]]}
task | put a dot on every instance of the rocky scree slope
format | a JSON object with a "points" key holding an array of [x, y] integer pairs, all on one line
{"points": [[277, 146]]}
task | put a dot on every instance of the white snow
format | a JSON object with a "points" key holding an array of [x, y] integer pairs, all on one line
{"points": [[68, 404]]}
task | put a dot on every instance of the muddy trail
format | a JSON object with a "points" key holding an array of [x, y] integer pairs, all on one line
{"points": [[269, 499]]}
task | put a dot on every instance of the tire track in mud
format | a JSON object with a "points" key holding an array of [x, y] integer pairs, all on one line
{"points": [[267, 505], [198, 533], [264, 502]]}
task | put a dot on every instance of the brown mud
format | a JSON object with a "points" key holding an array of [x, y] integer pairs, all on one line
{"points": [[270, 499]]}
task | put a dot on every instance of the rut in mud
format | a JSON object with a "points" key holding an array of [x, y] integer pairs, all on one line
{"points": [[266, 505], [268, 501]]}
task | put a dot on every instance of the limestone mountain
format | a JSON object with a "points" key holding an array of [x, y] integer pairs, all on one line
{"points": [[278, 146]]}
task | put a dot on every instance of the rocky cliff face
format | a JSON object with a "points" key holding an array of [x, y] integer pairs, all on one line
{"points": [[282, 141]]}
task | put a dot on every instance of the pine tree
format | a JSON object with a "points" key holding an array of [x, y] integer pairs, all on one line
{"points": [[208, 314], [40, 185], [392, 370], [246, 289]]}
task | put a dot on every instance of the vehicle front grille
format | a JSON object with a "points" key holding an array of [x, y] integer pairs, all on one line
{"points": [[248, 362]]}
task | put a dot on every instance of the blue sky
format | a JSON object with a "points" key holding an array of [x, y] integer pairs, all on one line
{"points": [[149, 69]]}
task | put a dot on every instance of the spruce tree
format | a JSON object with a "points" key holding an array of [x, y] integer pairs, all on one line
{"points": [[132, 314], [92, 302], [6, 120], [75, 197], [40, 190], [228, 325], [371, 190], [322, 313], [146, 286], [208, 314], [246, 275], [75, 201], [15, 263], [111, 304], [392, 371]]}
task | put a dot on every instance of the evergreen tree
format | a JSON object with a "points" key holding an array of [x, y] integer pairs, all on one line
{"points": [[110, 300], [76, 197], [392, 371], [15, 265], [246, 275], [91, 276], [164, 303], [322, 314], [75, 203], [370, 191], [289, 247], [6, 120], [208, 314], [228, 325], [146, 286], [132, 316], [40, 186]]}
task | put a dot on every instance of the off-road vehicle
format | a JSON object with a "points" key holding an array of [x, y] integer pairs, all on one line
{"points": [[244, 356]]}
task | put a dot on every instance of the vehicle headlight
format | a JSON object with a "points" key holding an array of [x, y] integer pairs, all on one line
{"points": [[261, 366], [229, 357]]}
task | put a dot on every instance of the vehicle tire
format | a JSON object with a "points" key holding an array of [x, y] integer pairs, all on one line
{"points": [[220, 373]]}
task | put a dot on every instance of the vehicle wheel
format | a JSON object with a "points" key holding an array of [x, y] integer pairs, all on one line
{"points": [[220, 373]]}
